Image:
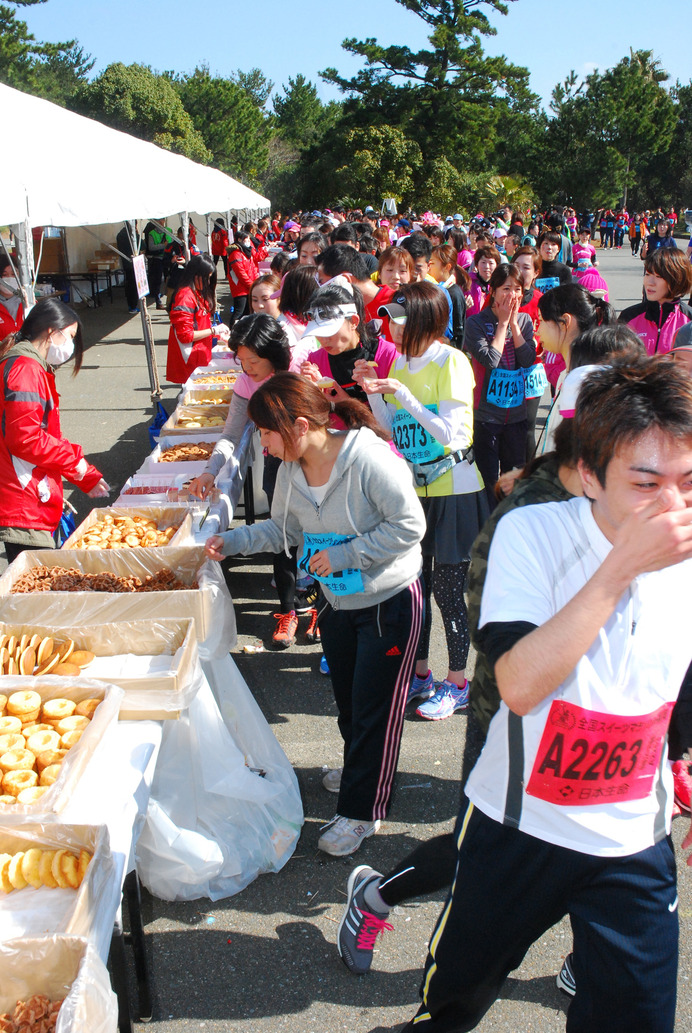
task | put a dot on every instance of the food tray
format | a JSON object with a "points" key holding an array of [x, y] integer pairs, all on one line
{"points": [[172, 425], [191, 468], [165, 649], [165, 516], [210, 605], [212, 396]]}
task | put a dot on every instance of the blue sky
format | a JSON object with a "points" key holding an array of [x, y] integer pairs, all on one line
{"points": [[550, 37]]}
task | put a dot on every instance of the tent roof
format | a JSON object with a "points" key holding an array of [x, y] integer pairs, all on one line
{"points": [[72, 171]]}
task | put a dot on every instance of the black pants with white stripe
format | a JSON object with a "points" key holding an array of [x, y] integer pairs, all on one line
{"points": [[511, 887]]}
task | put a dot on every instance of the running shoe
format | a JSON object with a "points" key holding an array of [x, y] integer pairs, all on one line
{"points": [[565, 978], [447, 699], [682, 785], [324, 666], [332, 780], [421, 688], [286, 627], [313, 632], [359, 926], [306, 595], [342, 836]]}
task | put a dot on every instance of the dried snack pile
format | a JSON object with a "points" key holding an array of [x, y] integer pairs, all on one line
{"points": [[67, 579], [38, 1014]]}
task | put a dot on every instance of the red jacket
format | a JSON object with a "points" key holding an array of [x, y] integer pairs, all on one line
{"points": [[219, 242], [34, 457], [242, 272], [8, 325], [189, 313]]}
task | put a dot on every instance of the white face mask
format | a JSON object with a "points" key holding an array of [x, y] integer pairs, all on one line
{"points": [[59, 353]]}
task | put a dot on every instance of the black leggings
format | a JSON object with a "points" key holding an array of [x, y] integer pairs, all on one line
{"points": [[13, 549], [431, 866], [285, 567], [447, 584], [239, 307]]}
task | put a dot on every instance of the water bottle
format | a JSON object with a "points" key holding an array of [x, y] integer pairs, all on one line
{"points": [[215, 320]]}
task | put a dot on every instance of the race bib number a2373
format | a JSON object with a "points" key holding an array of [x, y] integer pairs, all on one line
{"points": [[413, 440], [587, 758], [340, 582]]}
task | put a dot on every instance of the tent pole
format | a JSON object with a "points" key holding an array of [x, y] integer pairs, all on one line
{"points": [[24, 243], [185, 222], [147, 332], [208, 225]]}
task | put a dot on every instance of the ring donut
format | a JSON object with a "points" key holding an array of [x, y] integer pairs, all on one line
{"points": [[14, 781]]}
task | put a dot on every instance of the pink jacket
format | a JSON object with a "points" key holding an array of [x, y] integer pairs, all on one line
{"points": [[656, 324]]}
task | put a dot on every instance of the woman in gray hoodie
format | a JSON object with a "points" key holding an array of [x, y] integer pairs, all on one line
{"points": [[348, 502]]}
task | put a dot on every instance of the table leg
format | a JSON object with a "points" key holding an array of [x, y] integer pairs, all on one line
{"points": [[118, 968], [134, 905]]}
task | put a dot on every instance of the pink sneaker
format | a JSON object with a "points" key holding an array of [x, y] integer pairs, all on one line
{"points": [[682, 785]]}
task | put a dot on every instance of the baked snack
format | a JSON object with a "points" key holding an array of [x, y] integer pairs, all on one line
{"points": [[11, 741], [31, 795], [17, 760], [38, 1014], [87, 707], [19, 704], [14, 781], [44, 760], [39, 742], [49, 775], [10, 724], [57, 709]]}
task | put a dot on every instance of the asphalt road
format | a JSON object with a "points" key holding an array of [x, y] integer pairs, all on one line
{"points": [[265, 960]]}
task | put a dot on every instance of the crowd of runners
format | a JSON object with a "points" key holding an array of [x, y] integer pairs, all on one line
{"points": [[394, 368]]}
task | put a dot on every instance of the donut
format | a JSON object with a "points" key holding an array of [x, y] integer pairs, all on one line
{"points": [[6, 799], [44, 760], [17, 760], [45, 864], [57, 709], [69, 866], [69, 724], [29, 719], [10, 724], [3, 702], [87, 707], [11, 741], [25, 702], [5, 884], [32, 795], [49, 775], [84, 859], [15, 872], [14, 781], [38, 726], [30, 866], [70, 739], [39, 742]]}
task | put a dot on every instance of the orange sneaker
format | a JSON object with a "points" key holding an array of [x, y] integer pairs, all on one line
{"points": [[286, 627], [313, 632]]}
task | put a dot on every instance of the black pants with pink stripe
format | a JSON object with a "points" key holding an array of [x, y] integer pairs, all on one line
{"points": [[370, 653]]}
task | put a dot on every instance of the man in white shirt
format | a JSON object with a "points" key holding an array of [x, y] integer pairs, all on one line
{"points": [[585, 616]]}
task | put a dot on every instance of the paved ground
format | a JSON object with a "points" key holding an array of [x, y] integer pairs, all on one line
{"points": [[265, 960]]}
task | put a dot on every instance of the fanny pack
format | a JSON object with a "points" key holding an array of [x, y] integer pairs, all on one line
{"points": [[425, 473]]}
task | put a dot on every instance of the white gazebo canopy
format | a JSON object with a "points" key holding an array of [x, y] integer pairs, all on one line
{"points": [[67, 170]]}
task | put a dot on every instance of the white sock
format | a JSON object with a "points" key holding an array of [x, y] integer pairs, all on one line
{"points": [[373, 899]]}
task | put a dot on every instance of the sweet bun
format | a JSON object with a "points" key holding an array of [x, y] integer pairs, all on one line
{"points": [[12, 741], [45, 869], [65, 649], [82, 657], [67, 670], [69, 724], [56, 869], [44, 760], [70, 739], [30, 869], [44, 650], [5, 883], [38, 726], [32, 795], [15, 872], [3, 703], [10, 724]]}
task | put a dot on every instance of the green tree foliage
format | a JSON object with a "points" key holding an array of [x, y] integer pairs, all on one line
{"points": [[382, 162], [230, 122], [51, 70], [301, 118], [448, 98], [136, 100], [255, 84]]}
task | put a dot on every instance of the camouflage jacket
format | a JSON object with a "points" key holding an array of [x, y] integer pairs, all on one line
{"points": [[543, 485]]}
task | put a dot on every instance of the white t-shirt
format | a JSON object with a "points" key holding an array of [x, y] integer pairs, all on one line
{"points": [[540, 557]]}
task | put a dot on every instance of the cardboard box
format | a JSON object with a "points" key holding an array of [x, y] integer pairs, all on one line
{"points": [[211, 396], [172, 426], [71, 609], [165, 516], [191, 468], [155, 696]]}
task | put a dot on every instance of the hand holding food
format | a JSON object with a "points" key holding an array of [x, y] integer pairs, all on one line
{"points": [[214, 547]]}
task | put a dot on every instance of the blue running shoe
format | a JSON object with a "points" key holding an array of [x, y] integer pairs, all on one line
{"points": [[324, 666], [421, 688], [446, 701]]}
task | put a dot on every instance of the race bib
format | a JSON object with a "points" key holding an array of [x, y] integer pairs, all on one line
{"points": [[587, 758], [506, 388], [413, 440], [340, 582], [583, 264], [547, 283], [535, 381]]}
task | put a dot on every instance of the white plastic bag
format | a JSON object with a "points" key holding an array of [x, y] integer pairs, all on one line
{"points": [[225, 804]]}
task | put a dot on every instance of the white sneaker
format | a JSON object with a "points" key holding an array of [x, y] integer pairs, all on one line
{"points": [[332, 780], [343, 836]]}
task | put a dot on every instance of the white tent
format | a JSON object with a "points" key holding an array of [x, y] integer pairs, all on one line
{"points": [[68, 170]]}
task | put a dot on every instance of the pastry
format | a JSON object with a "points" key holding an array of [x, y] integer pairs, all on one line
{"points": [[14, 781], [57, 709]]}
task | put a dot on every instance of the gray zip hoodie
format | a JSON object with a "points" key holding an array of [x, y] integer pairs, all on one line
{"points": [[371, 500]]}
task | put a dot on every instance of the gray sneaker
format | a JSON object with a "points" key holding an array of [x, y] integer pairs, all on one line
{"points": [[342, 836], [565, 978], [332, 780], [359, 926]]}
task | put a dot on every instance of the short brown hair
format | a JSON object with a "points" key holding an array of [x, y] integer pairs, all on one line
{"points": [[527, 249], [673, 266], [620, 402], [395, 254], [488, 251], [427, 316]]}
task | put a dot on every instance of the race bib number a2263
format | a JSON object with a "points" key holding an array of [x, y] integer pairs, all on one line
{"points": [[588, 758]]}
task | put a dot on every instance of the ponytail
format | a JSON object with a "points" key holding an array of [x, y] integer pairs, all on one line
{"points": [[6, 344], [287, 397]]}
